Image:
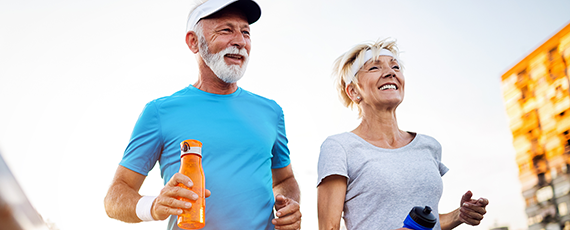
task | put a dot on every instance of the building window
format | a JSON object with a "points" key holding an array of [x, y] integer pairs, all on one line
{"points": [[567, 143], [544, 194], [541, 179], [534, 146], [552, 54], [524, 92], [523, 167], [563, 209], [539, 163], [521, 77]]}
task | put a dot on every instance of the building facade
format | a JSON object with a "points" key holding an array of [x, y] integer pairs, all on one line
{"points": [[537, 99]]}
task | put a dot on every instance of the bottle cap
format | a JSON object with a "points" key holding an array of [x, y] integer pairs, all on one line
{"points": [[423, 216], [190, 147]]}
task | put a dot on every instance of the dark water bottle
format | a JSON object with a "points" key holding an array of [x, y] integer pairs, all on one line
{"points": [[420, 218]]}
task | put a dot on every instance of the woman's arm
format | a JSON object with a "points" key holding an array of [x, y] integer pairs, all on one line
{"points": [[450, 220], [330, 202]]}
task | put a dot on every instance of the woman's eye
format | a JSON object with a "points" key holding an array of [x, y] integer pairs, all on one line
{"points": [[373, 68], [396, 67]]}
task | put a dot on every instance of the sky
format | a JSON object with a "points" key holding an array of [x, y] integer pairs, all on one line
{"points": [[75, 75]]}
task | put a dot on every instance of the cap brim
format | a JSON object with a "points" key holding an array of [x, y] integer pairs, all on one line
{"points": [[250, 8]]}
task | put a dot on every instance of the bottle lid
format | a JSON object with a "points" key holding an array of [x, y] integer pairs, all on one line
{"points": [[423, 216], [190, 147]]}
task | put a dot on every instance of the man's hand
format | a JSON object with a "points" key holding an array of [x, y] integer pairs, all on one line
{"points": [[288, 213], [167, 202], [471, 211]]}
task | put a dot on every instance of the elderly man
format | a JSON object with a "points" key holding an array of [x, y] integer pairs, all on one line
{"points": [[245, 154]]}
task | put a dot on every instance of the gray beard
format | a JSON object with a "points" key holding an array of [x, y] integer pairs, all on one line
{"points": [[216, 62]]}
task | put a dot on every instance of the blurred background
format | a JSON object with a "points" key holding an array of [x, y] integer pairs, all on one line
{"points": [[487, 79]]}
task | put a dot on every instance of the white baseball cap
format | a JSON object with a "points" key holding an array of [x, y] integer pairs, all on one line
{"points": [[249, 7]]}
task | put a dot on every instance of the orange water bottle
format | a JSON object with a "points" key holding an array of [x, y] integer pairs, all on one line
{"points": [[191, 166]]}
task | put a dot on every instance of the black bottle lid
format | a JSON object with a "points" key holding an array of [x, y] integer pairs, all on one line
{"points": [[423, 216]]}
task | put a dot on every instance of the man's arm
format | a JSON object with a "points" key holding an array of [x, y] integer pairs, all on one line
{"points": [[284, 183], [287, 199], [123, 195]]}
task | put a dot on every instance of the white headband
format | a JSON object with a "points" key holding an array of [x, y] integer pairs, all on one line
{"points": [[367, 56]]}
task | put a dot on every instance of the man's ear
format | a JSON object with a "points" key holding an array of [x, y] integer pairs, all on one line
{"points": [[192, 41]]}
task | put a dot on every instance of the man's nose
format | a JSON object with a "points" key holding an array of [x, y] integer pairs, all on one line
{"points": [[239, 41]]}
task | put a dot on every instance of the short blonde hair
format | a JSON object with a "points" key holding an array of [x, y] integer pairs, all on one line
{"points": [[342, 70]]}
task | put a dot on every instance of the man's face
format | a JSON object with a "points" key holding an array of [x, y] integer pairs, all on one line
{"points": [[225, 44]]}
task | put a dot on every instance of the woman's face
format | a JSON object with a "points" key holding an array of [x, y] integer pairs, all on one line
{"points": [[381, 83]]}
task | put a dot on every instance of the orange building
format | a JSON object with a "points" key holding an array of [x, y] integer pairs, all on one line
{"points": [[537, 99]]}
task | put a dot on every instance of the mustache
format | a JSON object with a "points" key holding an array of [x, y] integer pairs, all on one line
{"points": [[234, 50]]}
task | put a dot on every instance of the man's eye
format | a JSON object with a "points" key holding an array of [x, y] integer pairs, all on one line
{"points": [[246, 32], [396, 67]]}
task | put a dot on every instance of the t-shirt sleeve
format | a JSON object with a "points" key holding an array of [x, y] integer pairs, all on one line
{"points": [[332, 160], [145, 145], [280, 150], [437, 155]]}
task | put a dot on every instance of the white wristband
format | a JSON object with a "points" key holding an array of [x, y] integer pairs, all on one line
{"points": [[144, 207]]}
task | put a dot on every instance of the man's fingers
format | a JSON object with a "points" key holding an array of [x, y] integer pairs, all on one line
{"points": [[288, 213], [179, 178], [289, 209], [292, 221], [174, 197], [294, 226], [281, 202], [161, 211], [172, 202], [287, 220], [177, 191]]}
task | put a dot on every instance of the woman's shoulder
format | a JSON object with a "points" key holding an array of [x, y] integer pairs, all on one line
{"points": [[423, 141], [340, 139], [426, 138], [428, 142], [343, 135]]}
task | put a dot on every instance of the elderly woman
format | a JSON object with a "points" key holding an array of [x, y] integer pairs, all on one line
{"points": [[377, 173]]}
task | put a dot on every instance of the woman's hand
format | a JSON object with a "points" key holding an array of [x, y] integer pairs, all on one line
{"points": [[471, 211]]}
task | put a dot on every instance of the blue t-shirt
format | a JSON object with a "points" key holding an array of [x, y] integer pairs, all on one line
{"points": [[243, 137]]}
